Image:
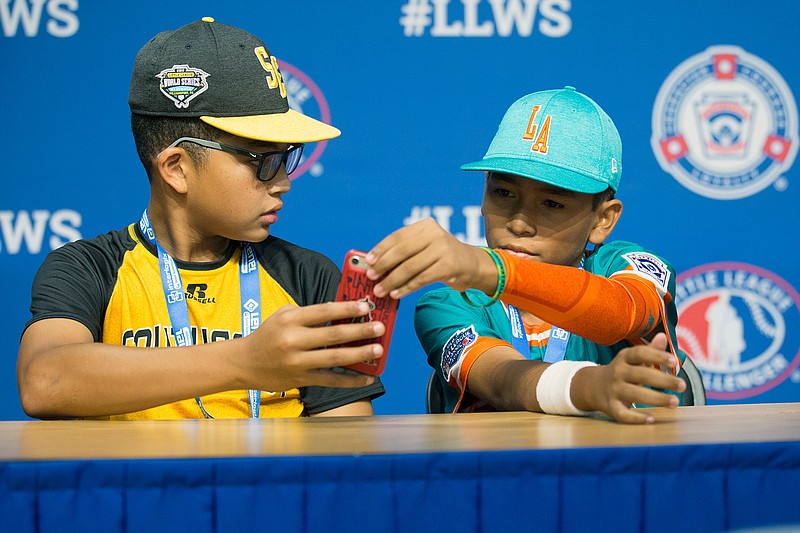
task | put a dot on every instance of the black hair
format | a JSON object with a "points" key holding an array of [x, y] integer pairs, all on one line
{"points": [[152, 134], [601, 197]]}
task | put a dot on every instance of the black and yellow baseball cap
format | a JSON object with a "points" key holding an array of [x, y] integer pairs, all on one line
{"points": [[224, 76]]}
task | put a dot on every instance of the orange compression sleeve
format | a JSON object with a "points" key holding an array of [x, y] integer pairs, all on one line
{"points": [[602, 310]]}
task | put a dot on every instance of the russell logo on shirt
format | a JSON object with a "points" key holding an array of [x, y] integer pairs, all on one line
{"points": [[197, 292]]}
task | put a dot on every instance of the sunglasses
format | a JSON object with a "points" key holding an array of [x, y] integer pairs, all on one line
{"points": [[268, 162]]}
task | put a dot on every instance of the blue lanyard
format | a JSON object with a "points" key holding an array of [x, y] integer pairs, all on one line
{"points": [[518, 338], [556, 344], [250, 294]]}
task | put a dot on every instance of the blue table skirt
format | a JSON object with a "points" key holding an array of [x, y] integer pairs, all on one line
{"points": [[662, 488]]}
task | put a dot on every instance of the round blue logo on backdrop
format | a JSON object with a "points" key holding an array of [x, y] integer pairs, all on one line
{"points": [[725, 124], [740, 324], [305, 97]]}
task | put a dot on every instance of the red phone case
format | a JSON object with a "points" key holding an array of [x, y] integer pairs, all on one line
{"points": [[355, 285]]}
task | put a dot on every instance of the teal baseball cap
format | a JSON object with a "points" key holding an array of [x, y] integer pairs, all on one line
{"points": [[560, 137]]}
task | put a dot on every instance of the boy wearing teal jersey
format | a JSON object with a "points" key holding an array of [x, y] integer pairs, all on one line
{"points": [[540, 320]]}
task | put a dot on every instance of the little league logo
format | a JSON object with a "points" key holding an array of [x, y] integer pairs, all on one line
{"points": [[651, 266], [725, 124], [305, 97], [182, 83], [454, 349], [740, 324]]}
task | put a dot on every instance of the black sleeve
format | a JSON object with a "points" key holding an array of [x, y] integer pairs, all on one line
{"points": [[309, 277], [75, 281]]}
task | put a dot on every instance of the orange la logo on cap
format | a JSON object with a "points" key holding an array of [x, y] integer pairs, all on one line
{"points": [[540, 144], [270, 64]]}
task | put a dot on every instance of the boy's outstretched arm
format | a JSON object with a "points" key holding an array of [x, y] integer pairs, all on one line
{"points": [[63, 373], [603, 310], [508, 381]]}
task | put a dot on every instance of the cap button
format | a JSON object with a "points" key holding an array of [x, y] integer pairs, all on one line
{"points": [[569, 88], [207, 19]]}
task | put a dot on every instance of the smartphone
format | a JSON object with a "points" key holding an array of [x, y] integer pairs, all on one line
{"points": [[355, 285]]}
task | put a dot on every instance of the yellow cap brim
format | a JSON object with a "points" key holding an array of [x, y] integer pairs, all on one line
{"points": [[289, 127]]}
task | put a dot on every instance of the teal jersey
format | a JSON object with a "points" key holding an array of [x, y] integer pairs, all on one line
{"points": [[447, 326]]}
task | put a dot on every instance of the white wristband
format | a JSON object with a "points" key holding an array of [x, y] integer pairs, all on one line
{"points": [[553, 389]]}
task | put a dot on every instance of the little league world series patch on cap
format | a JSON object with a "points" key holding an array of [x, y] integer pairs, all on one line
{"points": [[224, 76], [560, 137]]}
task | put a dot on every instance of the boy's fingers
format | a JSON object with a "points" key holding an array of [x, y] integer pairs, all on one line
{"points": [[626, 415], [648, 356], [400, 246], [411, 275], [655, 378], [392, 240], [341, 356], [659, 342], [313, 315]]}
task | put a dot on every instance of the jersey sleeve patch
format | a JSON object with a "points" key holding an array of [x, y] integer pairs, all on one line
{"points": [[651, 267], [454, 350]]}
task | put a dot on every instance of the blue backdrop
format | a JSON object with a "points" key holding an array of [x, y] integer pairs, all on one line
{"points": [[701, 91]]}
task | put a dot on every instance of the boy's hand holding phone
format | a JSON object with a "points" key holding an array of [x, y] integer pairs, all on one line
{"points": [[355, 285]]}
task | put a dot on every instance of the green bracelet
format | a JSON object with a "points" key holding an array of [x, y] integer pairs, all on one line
{"points": [[501, 279]]}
